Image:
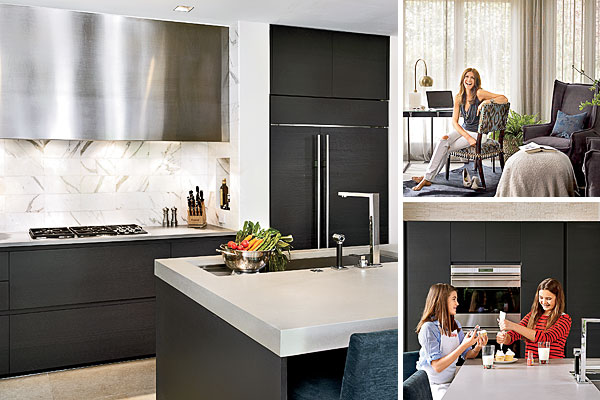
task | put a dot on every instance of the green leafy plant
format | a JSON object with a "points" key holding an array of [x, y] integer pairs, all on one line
{"points": [[596, 99], [515, 123]]}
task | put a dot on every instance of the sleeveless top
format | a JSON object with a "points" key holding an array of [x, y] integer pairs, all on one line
{"points": [[470, 119]]}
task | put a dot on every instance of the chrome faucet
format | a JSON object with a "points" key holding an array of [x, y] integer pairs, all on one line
{"points": [[374, 254], [580, 354]]}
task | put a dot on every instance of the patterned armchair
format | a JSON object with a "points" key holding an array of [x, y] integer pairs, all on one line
{"points": [[493, 118]]}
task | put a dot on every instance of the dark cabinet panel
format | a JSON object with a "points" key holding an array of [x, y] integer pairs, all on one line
{"points": [[321, 111], [71, 337], [502, 242], [358, 162], [468, 242], [427, 261], [583, 275], [40, 278], [542, 256], [301, 61], [360, 65], [205, 246], [3, 296], [4, 345], [3, 266], [293, 183]]}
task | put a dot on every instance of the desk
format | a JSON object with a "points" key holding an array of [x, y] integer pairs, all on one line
{"points": [[421, 114]]}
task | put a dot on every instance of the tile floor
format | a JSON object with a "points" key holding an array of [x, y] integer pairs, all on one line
{"points": [[133, 380]]}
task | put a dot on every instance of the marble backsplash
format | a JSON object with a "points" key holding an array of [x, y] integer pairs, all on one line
{"points": [[46, 183]]}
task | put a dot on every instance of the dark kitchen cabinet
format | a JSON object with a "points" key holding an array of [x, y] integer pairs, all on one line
{"points": [[70, 337], [4, 329], [489, 242], [467, 242], [41, 278], [293, 183], [360, 65], [502, 242], [299, 189], [582, 277], [301, 61], [542, 256], [358, 162], [205, 246], [325, 111], [427, 261], [3, 296], [3, 266], [319, 63]]}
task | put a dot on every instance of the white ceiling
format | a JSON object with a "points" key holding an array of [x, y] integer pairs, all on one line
{"points": [[365, 16]]}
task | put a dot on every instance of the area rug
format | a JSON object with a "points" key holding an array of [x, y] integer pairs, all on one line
{"points": [[454, 187]]}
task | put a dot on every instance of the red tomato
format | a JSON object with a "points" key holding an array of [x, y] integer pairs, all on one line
{"points": [[232, 245], [245, 243], [240, 247]]}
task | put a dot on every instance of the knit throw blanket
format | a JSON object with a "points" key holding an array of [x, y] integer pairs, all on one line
{"points": [[541, 174]]}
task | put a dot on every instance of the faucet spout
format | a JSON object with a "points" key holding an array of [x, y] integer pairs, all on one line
{"points": [[374, 251]]}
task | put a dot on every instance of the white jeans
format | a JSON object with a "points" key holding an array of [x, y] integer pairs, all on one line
{"points": [[455, 141]]}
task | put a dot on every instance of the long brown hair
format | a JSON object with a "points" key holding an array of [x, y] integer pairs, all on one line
{"points": [[436, 308], [462, 93], [554, 286]]}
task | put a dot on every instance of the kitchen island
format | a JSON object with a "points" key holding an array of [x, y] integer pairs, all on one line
{"points": [[231, 337], [519, 381]]}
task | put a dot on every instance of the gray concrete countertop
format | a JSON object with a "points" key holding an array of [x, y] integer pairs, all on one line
{"points": [[293, 312], [17, 239], [518, 381]]}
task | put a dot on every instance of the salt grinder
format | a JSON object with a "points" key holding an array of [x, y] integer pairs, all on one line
{"points": [[174, 216], [165, 221]]}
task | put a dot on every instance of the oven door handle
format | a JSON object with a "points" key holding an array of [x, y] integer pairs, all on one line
{"points": [[482, 282]]}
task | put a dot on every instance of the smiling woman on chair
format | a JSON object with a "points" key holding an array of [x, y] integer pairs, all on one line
{"points": [[467, 104]]}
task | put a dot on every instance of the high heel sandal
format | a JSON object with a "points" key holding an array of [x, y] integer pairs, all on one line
{"points": [[476, 183], [466, 178]]}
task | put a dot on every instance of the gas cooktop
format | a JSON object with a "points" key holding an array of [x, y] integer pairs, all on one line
{"points": [[85, 231]]}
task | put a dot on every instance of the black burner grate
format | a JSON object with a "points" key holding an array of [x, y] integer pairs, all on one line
{"points": [[51, 233]]}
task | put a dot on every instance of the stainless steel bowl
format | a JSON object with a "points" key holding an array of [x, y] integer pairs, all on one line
{"points": [[245, 261]]}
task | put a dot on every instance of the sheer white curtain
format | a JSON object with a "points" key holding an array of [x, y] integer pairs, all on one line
{"points": [[452, 35], [428, 34]]}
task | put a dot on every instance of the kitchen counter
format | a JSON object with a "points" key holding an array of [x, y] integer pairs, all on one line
{"points": [[551, 381], [18, 239], [293, 312]]}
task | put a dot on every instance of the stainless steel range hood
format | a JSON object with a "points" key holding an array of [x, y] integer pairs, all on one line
{"points": [[82, 76]]}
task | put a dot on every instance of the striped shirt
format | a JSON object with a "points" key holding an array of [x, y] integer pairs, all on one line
{"points": [[556, 335]]}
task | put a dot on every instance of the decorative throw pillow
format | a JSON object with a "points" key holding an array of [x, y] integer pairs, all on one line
{"points": [[566, 124]]}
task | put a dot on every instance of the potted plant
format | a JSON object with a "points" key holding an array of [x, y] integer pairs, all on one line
{"points": [[596, 99], [513, 134]]}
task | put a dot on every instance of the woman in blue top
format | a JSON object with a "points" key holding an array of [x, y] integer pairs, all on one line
{"points": [[442, 340], [467, 104]]}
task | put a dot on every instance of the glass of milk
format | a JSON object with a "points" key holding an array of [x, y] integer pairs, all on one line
{"points": [[487, 356], [544, 352]]}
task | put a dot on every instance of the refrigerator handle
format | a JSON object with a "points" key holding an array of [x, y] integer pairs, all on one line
{"points": [[327, 191], [318, 191]]}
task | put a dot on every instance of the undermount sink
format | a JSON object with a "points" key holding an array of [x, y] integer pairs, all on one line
{"points": [[594, 377], [299, 263]]}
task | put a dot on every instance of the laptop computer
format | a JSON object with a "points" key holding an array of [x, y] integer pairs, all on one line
{"points": [[440, 100]]}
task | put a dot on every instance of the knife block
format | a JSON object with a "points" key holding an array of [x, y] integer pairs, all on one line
{"points": [[197, 221]]}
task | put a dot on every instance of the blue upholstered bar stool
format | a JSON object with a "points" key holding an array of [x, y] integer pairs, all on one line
{"points": [[416, 387], [371, 372]]}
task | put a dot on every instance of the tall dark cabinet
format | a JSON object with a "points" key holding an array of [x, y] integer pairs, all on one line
{"points": [[329, 118]]}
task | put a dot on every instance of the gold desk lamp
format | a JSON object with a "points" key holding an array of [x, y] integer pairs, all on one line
{"points": [[414, 98]]}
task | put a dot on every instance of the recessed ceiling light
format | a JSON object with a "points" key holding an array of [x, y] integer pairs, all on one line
{"points": [[183, 8]]}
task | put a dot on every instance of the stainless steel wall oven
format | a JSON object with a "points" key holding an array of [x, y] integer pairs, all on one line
{"points": [[485, 290]]}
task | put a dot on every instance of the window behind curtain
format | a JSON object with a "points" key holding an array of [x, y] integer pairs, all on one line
{"points": [[454, 34], [487, 42], [570, 49]]}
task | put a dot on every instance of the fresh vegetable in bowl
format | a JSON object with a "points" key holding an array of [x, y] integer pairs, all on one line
{"points": [[252, 238]]}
